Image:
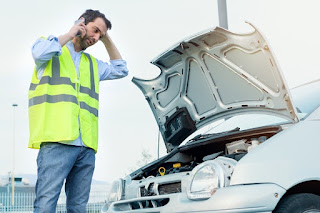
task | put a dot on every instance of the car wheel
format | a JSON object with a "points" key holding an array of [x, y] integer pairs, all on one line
{"points": [[299, 203]]}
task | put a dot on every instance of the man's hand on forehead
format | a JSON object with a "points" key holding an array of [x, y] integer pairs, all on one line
{"points": [[105, 36]]}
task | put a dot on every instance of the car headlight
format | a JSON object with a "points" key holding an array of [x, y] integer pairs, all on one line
{"points": [[116, 192], [207, 177]]}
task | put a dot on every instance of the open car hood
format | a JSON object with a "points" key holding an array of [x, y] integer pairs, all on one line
{"points": [[215, 74]]}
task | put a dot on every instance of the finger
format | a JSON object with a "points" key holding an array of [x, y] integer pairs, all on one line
{"points": [[81, 24], [79, 31], [79, 21], [83, 32]]}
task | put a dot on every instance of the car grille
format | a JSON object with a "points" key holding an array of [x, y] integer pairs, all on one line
{"points": [[169, 188], [162, 189], [142, 204], [152, 196]]}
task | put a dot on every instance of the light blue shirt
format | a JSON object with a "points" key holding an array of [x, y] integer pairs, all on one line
{"points": [[44, 49]]}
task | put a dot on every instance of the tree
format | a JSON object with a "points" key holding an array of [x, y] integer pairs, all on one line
{"points": [[146, 158]]}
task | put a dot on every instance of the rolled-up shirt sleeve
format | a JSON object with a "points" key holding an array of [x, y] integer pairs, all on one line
{"points": [[44, 49], [116, 69]]}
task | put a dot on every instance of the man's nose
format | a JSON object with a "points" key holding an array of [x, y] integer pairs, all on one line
{"points": [[96, 37]]}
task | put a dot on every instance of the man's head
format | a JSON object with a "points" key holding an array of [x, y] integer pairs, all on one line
{"points": [[91, 15], [96, 26]]}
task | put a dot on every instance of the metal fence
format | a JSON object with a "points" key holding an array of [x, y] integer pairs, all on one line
{"points": [[23, 202]]}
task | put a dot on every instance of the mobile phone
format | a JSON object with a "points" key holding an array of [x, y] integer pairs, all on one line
{"points": [[78, 21]]}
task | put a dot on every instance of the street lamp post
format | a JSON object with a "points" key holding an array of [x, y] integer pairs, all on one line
{"points": [[13, 155], [223, 15]]}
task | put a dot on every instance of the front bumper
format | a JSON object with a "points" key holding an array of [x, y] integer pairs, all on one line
{"points": [[231, 199]]}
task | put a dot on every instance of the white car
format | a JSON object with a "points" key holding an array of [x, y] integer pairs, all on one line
{"points": [[261, 151]]}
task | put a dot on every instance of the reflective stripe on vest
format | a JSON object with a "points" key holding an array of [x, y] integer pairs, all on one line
{"points": [[91, 92], [57, 80], [52, 99]]}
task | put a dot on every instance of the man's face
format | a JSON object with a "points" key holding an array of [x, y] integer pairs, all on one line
{"points": [[95, 30]]}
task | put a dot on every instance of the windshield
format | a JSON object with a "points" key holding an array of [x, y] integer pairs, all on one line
{"points": [[306, 98]]}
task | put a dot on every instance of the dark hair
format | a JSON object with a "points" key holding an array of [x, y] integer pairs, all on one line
{"points": [[91, 15]]}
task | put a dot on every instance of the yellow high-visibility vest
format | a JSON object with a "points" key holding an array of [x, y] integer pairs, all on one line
{"points": [[60, 99]]}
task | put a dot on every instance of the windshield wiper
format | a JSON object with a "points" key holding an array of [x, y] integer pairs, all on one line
{"points": [[203, 136]]}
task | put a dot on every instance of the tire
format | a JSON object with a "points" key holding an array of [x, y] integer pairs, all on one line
{"points": [[299, 203]]}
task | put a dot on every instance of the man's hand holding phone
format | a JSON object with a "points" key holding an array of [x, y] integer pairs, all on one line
{"points": [[79, 28], [82, 27]]}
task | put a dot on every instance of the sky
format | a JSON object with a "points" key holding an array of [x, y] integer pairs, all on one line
{"points": [[142, 29]]}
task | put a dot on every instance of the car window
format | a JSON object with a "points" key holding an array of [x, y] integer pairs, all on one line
{"points": [[306, 98]]}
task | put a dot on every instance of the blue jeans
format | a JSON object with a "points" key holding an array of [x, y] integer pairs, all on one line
{"points": [[58, 163]]}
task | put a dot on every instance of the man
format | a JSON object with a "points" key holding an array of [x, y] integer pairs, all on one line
{"points": [[63, 109]]}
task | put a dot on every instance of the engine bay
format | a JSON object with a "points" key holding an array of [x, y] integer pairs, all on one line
{"points": [[232, 144]]}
